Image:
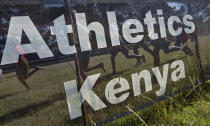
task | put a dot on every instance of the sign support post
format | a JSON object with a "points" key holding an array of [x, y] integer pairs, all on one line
{"points": [[76, 57], [195, 36]]}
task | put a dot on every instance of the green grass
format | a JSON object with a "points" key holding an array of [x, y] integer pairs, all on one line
{"points": [[191, 108], [46, 104]]}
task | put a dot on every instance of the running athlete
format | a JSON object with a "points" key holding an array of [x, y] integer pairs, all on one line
{"points": [[163, 43], [23, 69], [84, 59], [182, 39], [125, 51], [122, 15]]}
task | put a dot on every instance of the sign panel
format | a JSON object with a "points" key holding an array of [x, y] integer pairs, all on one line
{"points": [[77, 63]]}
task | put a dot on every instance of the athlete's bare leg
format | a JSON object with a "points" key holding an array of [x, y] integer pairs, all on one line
{"points": [[156, 57], [138, 60], [113, 55], [98, 66], [24, 83]]}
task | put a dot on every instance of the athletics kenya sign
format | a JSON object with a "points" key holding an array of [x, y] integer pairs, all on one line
{"points": [[158, 56]]}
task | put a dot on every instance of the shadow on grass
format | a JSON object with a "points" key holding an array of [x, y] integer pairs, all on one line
{"points": [[10, 95], [22, 112], [7, 95]]}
